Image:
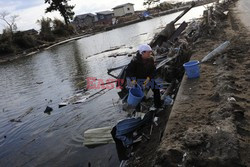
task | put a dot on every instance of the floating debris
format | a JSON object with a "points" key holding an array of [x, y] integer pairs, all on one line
{"points": [[48, 110]]}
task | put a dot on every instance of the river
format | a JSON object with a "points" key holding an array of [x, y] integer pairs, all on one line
{"points": [[30, 84]]}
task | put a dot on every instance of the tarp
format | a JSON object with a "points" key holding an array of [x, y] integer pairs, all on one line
{"points": [[98, 136]]}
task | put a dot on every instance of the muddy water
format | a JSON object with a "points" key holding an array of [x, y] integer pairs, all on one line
{"points": [[30, 84]]}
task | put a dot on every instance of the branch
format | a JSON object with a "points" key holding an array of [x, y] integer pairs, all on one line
{"points": [[11, 23]]}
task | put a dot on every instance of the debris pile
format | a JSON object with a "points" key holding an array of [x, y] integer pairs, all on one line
{"points": [[203, 128]]}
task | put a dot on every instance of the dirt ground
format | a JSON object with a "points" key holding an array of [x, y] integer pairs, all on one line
{"points": [[209, 122]]}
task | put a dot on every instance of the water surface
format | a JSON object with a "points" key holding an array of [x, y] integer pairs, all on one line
{"points": [[30, 84]]}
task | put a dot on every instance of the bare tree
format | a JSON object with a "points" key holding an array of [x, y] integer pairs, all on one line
{"points": [[9, 20]]}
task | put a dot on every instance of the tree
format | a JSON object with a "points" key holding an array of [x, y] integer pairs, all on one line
{"points": [[63, 7], [150, 2], [46, 32], [10, 21], [45, 24], [60, 29]]}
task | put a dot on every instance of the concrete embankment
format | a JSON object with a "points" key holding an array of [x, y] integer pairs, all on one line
{"points": [[208, 124]]}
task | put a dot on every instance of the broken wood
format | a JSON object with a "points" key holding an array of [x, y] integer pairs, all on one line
{"points": [[169, 29], [178, 32]]}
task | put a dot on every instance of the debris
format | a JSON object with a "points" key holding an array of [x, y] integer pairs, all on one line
{"points": [[123, 163], [15, 120], [48, 110], [216, 51], [80, 101], [98, 136], [231, 99], [18, 119], [147, 137], [149, 94], [226, 12], [62, 104], [168, 101], [156, 121], [167, 32]]}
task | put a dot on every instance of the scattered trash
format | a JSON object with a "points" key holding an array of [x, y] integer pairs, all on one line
{"points": [[15, 120], [80, 101], [216, 51], [82, 96], [168, 101], [184, 157], [149, 94], [39, 82], [18, 119], [145, 136], [156, 121], [123, 163], [98, 136], [231, 99], [50, 101], [62, 104], [139, 115], [48, 110]]}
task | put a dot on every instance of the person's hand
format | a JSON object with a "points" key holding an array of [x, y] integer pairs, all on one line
{"points": [[146, 81], [133, 82]]}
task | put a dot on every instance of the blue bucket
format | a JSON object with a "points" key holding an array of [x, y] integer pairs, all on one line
{"points": [[192, 69], [135, 96]]}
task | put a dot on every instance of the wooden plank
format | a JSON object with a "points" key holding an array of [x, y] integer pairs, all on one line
{"points": [[178, 32]]}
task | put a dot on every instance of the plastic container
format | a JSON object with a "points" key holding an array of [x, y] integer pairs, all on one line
{"points": [[192, 69], [135, 96]]}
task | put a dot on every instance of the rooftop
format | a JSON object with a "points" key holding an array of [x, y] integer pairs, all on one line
{"points": [[105, 12], [120, 6], [82, 16]]}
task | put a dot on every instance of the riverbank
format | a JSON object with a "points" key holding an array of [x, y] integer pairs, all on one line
{"points": [[59, 41], [161, 13], [209, 122], [48, 45]]}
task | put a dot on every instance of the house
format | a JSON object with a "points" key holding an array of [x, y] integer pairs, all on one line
{"points": [[30, 32], [105, 17], [84, 20], [124, 9]]}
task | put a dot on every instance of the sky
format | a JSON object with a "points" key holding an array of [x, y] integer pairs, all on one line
{"points": [[29, 11]]}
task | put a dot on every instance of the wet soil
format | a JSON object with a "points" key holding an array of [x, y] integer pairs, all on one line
{"points": [[209, 122]]}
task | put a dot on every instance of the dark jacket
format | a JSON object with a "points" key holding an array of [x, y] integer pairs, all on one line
{"points": [[140, 68]]}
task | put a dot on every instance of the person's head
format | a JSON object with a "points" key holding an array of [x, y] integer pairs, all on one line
{"points": [[145, 50]]}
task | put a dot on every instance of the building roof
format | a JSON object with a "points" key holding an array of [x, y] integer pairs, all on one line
{"points": [[121, 6], [82, 16], [30, 31], [107, 12]]}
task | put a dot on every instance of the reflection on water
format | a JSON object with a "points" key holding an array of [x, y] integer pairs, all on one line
{"points": [[29, 84]]}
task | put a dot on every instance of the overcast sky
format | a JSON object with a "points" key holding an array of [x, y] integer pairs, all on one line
{"points": [[29, 11]]}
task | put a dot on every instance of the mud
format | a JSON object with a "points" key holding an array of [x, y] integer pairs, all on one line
{"points": [[209, 122]]}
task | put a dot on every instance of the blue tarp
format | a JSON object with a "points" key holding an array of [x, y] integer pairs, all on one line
{"points": [[126, 127]]}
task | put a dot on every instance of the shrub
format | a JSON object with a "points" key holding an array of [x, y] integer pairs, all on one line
{"points": [[60, 29], [47, 37], [24, 41], [6, 45], [6, 48]]}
